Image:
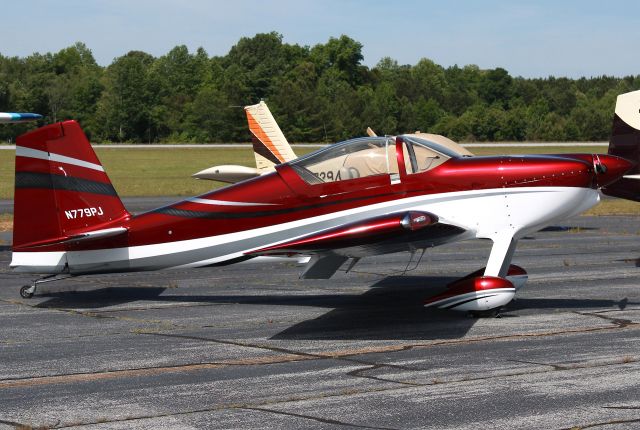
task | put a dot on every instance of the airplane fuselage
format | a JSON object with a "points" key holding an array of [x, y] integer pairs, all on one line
{"points": [[484, 196]]}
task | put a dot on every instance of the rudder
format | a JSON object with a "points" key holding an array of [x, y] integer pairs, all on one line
{"points": [[270, 147]]}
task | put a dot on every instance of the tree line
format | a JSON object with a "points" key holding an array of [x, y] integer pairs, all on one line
{"points": [[321, 93]]}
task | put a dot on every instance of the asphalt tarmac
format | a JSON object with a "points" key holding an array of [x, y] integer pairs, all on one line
{"points": [[252, 346]]}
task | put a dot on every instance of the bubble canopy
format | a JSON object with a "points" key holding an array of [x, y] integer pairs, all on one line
{"points": [[370, 156]]}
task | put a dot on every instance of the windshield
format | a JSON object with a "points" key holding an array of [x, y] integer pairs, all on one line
{"points": [[436, 147], [421, 155]]}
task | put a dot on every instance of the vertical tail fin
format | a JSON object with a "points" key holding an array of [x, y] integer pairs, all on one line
{"points": [[61, 189], [270, 147], [625, 143]]}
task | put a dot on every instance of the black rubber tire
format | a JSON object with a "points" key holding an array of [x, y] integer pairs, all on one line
{"points": [[24, 293]]}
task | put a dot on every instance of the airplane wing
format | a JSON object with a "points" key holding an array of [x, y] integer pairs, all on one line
{"points": [[329, 249], [14, 117]]}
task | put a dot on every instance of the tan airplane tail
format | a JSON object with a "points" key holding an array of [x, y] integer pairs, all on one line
{"points": [[270, 147], [625, 143]]}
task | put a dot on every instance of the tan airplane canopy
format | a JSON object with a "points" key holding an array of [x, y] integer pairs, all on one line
{"points": [[435, 138]]}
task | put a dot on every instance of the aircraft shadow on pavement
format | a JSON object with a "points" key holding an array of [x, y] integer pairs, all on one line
{"points": [[565, 228], [569, 304], [560, 229], [390, 309], [99, 298], [635, 261]]}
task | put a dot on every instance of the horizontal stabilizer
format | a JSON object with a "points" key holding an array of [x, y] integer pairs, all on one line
{"points": [[227, 173], [81, 237]]}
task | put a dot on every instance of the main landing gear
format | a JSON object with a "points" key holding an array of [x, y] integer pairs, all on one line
{"points": [[485, 292], [27, 291]]}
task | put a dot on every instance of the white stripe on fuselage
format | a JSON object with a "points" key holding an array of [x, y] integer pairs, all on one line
{"points": [[226, 202], [22, 151], [457, 208]]}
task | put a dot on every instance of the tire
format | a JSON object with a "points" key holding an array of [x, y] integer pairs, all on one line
{"points": [[24, 292]]}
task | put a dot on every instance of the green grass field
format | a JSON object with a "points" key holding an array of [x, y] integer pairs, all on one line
{"points": [[151, 171], [167, 171]]}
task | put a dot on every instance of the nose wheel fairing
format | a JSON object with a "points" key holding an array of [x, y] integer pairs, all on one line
{"points": [[477, 294]]}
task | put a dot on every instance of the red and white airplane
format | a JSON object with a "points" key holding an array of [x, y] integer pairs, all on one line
{"points": [[386, 194]]}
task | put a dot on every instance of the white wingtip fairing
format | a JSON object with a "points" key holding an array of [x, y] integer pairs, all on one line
{"points": [[16, 118]]}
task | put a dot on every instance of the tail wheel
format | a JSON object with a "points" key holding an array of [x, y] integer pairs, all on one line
{"points": [[26, 292]]}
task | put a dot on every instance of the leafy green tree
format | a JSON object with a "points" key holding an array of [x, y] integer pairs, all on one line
{"points": [[342, 54], [461, 91], [207, 115], [591, 122], [430, 81], [261, 60], [319, 93], [495, 86], [124, 110], [421, 115], [295, 105], [336, 102], [380, 108], [175, 79]]}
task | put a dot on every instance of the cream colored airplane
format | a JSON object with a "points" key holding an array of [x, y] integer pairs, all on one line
{"points": [[270, 148]]}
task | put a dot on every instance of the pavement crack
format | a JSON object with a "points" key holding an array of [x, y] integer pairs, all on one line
{"points": [[554, 366], [618, 322], [359, 373], [604, 423], [15, 424], [102, 315], [305, 355], [242, 344], [313, 418], [621, 407]]}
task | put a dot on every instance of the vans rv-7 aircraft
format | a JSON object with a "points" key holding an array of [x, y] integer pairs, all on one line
{"points": [[402, 193]]}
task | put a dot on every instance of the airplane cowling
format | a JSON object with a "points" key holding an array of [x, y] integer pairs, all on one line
{"points": [[478, 294]]}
